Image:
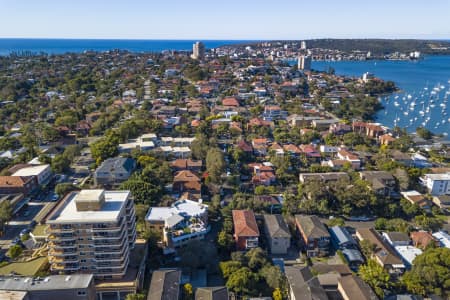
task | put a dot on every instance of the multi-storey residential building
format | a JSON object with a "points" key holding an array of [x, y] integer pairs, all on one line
{"points": [[304, 62], [43, 173], [180, 223], [437, 184], [198, 50], [381, 182], [92, 231], [314, 235], [18, 184], [277, 234], [114, 171]]}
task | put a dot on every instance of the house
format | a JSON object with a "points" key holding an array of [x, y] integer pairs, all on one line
{"points": [[187, 164], [442, 201], [443, 238], [244, 146], [414, 197], [421, 239], [314, 235], [18, 184], [372, 130], [263, 174], [353, 257], [352, 158], [339, 128], [402, 158], [386, 139], [303, 285], [397, 238], [323, 177], [258, 123], [186, 181], [352, 287], [381, 182], [165, 285], [277, 233], [246, 232], [324, 124], [341, 238], [273, 112], [212, 293], [408, 254], [437, 184], [230, 102], [260, 146], [384, 254], [114, 171]]}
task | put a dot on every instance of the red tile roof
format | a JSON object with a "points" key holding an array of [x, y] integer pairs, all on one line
{"points": [[245, 223]]}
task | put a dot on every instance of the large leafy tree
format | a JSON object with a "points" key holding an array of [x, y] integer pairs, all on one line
{"points": [[377, 277], [430, 273], [5, 213], [215, 164]]}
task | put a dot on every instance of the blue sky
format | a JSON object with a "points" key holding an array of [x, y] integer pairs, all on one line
{"points": [[230, 19]]}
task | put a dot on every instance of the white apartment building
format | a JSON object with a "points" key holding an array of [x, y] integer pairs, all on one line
{"points": [[92, 231], [437, 184]]}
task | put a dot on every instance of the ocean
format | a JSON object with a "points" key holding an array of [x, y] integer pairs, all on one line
{"points": [[424, 90], [60, 46]]}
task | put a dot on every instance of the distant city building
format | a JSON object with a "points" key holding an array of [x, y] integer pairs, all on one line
{"points": [[92, 231], [303, 45], [304, 62], [198, 50]]}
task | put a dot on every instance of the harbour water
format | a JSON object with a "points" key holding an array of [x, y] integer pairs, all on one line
{"points": [[60, 46], [423, 99]]}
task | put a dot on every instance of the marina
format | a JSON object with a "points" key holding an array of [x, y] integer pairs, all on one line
{"points": [[423, 98]]}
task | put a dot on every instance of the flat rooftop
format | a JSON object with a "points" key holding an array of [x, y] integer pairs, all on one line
{"points": [[31, 170], [67, 211], [181, 207], [54, 282]]}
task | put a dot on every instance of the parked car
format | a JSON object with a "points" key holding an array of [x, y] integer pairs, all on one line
{"points": [[24, 232]]}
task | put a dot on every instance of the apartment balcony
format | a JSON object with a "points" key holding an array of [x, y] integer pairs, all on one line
{"points": [[64, 252], [62, 245], [108, 259], [251, 242], [61, 260], [190, 233], [103, 266], [50, 230], [112, 228], [57, 237], [97, 237]]}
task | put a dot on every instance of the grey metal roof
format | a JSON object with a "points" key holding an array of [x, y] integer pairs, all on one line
{"points": [[304, 285], [341, 235], [165, 285], [211, 293], [353, 255], [54, 282], [116, 164]]}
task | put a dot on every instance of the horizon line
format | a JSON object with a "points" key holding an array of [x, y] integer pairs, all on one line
{"points": [[222, 39]]}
